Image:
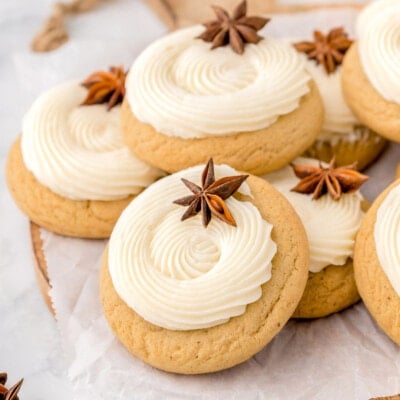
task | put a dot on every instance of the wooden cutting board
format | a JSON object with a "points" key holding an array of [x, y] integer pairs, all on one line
{"points": [[40, 265]]}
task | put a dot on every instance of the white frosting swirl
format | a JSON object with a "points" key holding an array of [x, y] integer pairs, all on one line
{"points": [[180, 275], [182, 88], [77, 151], [378, 29], [338, 117], [387, 237], [331, 226]]}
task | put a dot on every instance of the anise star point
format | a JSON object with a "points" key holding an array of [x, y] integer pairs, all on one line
{"points": [[332, 180], [105, 87], [328, 50], [235, 31], [12, 392], [209, 198]]}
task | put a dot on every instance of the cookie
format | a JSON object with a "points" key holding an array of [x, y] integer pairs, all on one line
{"points": [[198, 300], [342, 135], [331, 290], [255, 111], [331, 226], [70, 171], [256, 152], [88, 219], [376, 261], [371, 69]]}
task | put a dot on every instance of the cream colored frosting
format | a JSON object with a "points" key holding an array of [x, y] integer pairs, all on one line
{"points": [[387, 237], [180, 275], [378, 30], [77, 151], [338, 117], [331, 225], [182, 88]]}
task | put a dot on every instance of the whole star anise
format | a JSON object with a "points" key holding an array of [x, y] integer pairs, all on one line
{"points": [[328, 50], [9, 394], [235, 31], [320, 180], [209, 198], [105, 87]]}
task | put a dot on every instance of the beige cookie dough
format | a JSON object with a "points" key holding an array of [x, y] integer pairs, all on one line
{"points": [[223, 346], [84, 219], [257, 152], [375, 289], [367, 104], [329, 291], [346, 150]]}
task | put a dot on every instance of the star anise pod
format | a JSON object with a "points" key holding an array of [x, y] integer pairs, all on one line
{"points": [[209, 198], [235, 31], [328, 50], [320, 180], [9, 394], [105, 87]]}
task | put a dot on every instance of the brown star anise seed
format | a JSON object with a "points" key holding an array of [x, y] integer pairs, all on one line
{"points": [[9, 394], [320, 180], [105, 87], [209, 198], [328, 50], [235, 31], [12, 393]]}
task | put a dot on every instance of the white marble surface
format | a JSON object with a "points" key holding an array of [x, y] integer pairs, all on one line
{"points": [[29, 340]]}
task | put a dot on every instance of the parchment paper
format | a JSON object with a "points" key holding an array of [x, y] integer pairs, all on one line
{"points": [[344, 356]]}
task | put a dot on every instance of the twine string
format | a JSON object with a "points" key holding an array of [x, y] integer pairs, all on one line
{"points": [[53, 33]]}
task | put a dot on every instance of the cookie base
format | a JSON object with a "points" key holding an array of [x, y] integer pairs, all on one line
{"points": [[222, 346], [83, 219], [367, 104], [331, 290], [375, 288], [257, 152]]}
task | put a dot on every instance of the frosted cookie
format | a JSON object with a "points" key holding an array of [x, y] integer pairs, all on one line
{"points": [[377, 261], [371, 69], [342, 136], [203, 288], [70, 171], [330, 207], [251, 104]]}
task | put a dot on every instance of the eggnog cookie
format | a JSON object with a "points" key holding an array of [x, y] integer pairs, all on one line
{"points": [[203, 288], [376, 261], [251, 105], [331, 211], [70, 171], [342, 135], [371, 69]]}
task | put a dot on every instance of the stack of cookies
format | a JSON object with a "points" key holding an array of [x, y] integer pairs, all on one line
{"points": [[225, 169]]}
